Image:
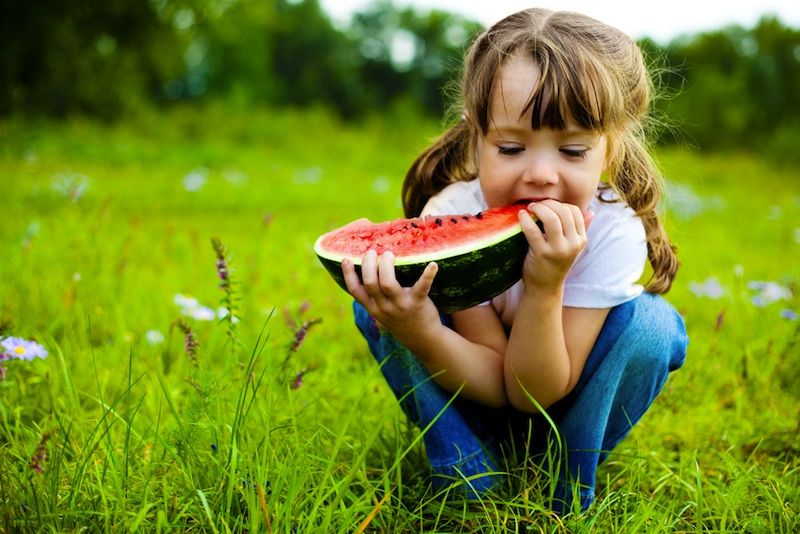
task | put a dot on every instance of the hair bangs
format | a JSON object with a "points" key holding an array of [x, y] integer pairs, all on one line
{"points": [[566, 93]]}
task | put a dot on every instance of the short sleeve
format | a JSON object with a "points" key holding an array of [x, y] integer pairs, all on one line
{"points": [[608, 270]]}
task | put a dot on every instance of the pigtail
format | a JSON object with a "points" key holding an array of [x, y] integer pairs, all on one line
{"points": [[444, 162], [639, 182]]}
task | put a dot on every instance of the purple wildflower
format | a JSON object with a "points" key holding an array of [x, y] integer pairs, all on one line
{"points": [[190, 343], [22, 349], [3, 356], [300, 334], [223, 270], [297, 383], [40, 454], [789, 315]]}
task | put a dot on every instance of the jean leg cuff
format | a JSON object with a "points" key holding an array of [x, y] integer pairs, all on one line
{"points": [[472, 477]]}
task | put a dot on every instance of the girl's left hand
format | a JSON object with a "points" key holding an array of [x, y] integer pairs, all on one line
{"points": [[404, 311], [551, 253]]}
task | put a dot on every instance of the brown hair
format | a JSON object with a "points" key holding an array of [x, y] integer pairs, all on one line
{"points": [[590, 72]]}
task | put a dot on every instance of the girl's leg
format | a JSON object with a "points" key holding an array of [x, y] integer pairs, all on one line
{"points": [[642, 341], [458, 441]]}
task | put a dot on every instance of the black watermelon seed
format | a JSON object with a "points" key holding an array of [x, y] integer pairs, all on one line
{"points": [[438, 222], [453, 220], [414, 225], [479, 215]]}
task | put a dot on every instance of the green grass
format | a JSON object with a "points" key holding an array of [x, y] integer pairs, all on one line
{"points": [[142, 439]]}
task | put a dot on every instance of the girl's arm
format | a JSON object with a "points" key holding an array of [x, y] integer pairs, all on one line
{"points": [[547, 349], [549, 344], [473, 366]]}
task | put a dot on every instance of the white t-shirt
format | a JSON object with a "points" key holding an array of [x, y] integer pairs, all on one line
{"points": [[604, 274]]}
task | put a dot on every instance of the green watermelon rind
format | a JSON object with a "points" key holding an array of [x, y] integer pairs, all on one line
{"points": [[468, 275]]}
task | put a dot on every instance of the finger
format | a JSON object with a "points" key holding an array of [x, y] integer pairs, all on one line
{"points": [[386, 275], [566, 214], [550, 219], [369, 273], [532, 227], [577, 220], [353, 283], [423, 286]]}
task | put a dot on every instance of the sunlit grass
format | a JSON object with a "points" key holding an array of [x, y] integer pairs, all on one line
{"points": [[104, 225]]}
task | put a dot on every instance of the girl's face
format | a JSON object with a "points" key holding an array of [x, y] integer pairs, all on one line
{"points": [[516, 162]]}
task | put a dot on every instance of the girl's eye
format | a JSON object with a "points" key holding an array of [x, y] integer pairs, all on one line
{"points": [[576, 153], [506, 150]]}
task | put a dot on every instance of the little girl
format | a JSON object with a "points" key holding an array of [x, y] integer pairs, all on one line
{"points": [[553, 110]]}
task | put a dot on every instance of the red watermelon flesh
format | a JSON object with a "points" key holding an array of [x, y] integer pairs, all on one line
{"points": [[479, 255], [411, 240]]}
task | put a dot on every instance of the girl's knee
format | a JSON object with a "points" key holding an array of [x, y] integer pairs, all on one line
{"points": [[658, 334]]}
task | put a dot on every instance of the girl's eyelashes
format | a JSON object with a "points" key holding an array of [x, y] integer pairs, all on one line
{"points": [[574, 153], [509, 150], [571, 153]]}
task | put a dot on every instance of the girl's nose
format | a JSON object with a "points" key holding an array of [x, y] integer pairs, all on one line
{"points": [[540, 171]]}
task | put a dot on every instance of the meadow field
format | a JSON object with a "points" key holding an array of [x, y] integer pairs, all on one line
{"points": [[172, 400]]}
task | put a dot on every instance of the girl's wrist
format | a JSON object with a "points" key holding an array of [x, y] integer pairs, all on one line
{"points": [[544, 291], [418, 333]]}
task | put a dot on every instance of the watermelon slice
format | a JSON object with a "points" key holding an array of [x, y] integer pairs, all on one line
{"points": [[479, 255]]}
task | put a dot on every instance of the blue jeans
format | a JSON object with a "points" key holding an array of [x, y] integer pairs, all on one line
{"points": [[641, 342]]}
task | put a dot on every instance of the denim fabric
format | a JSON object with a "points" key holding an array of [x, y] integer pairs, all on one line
{"points": [[641, 342]]}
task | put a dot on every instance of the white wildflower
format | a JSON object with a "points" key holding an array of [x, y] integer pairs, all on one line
{"points": [[710, 288], [201, 313], [310, 175], [154, 337], [191, 307], [71, 185], [380, 184], [768, 292], [195, 180]]}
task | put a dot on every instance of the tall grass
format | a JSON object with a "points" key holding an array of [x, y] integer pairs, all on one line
{"points": [[281, 421]]}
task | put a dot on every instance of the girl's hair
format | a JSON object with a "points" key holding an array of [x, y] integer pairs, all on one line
{"points": [[591, 73]]}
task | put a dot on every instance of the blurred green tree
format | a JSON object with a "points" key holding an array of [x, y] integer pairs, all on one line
{"points": [[735, 88], [94, 57], [732, 88]]}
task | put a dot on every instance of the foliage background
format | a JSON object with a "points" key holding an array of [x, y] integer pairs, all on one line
{"points": [[731, 89]]}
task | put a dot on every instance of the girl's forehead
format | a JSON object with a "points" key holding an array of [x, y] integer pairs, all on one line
{"points": [[513, 87], [518, 74]]}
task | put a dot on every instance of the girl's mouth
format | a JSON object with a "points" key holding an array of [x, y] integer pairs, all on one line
{"points": [[527, 201]]}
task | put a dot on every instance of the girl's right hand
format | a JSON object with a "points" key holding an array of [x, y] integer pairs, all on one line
{"points": [[554, 247], [404, 311]]}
